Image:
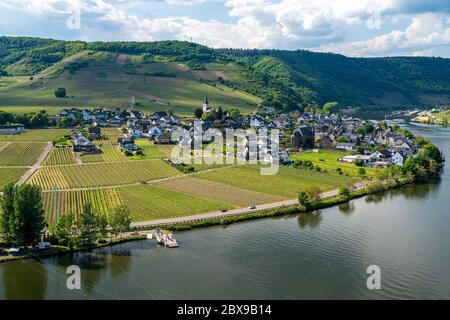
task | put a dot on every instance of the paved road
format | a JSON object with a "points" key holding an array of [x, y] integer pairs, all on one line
{"points": [[218, 214], [37, 165]]}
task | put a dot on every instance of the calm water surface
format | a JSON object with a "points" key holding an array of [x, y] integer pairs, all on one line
{"points": [[320, 255]]}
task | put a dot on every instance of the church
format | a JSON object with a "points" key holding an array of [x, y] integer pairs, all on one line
{"points": [[206, 107]]}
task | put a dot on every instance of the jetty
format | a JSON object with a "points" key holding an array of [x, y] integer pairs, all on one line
{"points": [[166, 239]]}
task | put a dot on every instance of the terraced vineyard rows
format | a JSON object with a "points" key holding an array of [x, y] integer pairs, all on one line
{"points": [[62, 202], [59, 156], [113, 134], [10, 175], [102, 174], [218, 191], [21, 154], [288, 182], [151, 202], [36, 135], [108, 153]]}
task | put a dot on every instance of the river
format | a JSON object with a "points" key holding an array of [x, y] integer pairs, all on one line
{"points": [[321, 255]]}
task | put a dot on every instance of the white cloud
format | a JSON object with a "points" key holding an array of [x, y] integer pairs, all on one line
{"points": [[425, 32]]}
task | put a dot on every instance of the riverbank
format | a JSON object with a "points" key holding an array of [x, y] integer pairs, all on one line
{"points": [[329, 199], [61, 250]]}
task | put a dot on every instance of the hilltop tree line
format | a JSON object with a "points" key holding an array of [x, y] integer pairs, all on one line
{"points": [[287, 80], [30, 120]]}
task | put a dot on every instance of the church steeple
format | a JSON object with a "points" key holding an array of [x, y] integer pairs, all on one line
{"points": [[206, 107]]}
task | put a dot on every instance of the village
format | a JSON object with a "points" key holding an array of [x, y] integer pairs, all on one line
{"points": [[366, 143]]}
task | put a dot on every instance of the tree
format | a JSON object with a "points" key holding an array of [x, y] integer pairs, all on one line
{"points": [[102, 224], [88, 223], [234, 113], [344, 192], [7, 212], [60, 93], [119, 219], [198, 113], [219, 114], [361, 171], [314, 193], [330, 107], [65, 229], [303, 199], [28, 220]]}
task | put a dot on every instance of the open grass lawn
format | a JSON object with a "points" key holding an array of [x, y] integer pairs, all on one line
{"points": [[60, 156], [10, 175], [61, 202], [108, 153], [218, 191], [328, 160], [150, 202], [102, 174], [18, 154], [288, 182], [36, 135]]}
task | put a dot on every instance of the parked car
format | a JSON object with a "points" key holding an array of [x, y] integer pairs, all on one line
{"points": [[252, 208], [223, 210]]}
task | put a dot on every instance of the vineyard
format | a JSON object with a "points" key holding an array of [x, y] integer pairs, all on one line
{"points": [[102, 174], [18, 154], [108, 154], [10, 175], [288, 182], [218, 191], [44, 135], [150, 202], [60, 156], [62, 202], [113, 134]]}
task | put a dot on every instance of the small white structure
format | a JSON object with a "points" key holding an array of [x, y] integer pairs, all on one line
{"points": [[44, 245], [398, 159], [347, 146]]}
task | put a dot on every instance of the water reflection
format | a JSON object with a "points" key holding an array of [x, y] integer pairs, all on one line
{"points": [[24, 280], [347, 208], [310, 219]]}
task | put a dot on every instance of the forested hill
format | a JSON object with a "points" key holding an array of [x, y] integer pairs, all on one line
{"points": [[286, 79]]}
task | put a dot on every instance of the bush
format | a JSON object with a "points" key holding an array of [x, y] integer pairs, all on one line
{"points": [[60, 93]]}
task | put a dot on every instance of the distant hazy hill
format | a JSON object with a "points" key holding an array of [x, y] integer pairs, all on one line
{"points": [[174, 74]]}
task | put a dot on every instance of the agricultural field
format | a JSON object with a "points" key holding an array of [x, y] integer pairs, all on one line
{"points": [[102, 174], [328, 160], [218, 191], [44, 135], [149, 202], [113, 134], [60, 156], [151, 151], [61, 202], [10, 175], [287, 183], [108, 154], [17, 154]]}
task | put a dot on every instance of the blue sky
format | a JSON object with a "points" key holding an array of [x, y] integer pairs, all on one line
{"points": [[351, 27]]}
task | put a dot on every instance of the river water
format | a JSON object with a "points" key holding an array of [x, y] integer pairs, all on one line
{"points": [[324, 254]]}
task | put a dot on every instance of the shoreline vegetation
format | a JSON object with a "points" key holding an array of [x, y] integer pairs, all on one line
{"points": [[374, 187]]}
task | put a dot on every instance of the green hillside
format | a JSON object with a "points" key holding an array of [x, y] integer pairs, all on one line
{"points": [[176, 75]]}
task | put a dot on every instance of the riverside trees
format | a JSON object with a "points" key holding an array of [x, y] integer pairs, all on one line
{"points": [[22, 214]]}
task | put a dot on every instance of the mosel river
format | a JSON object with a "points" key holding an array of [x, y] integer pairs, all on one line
{"points": [[323, 254]]}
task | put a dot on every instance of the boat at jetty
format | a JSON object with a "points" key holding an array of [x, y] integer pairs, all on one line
{"points": [[166, 239]]}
